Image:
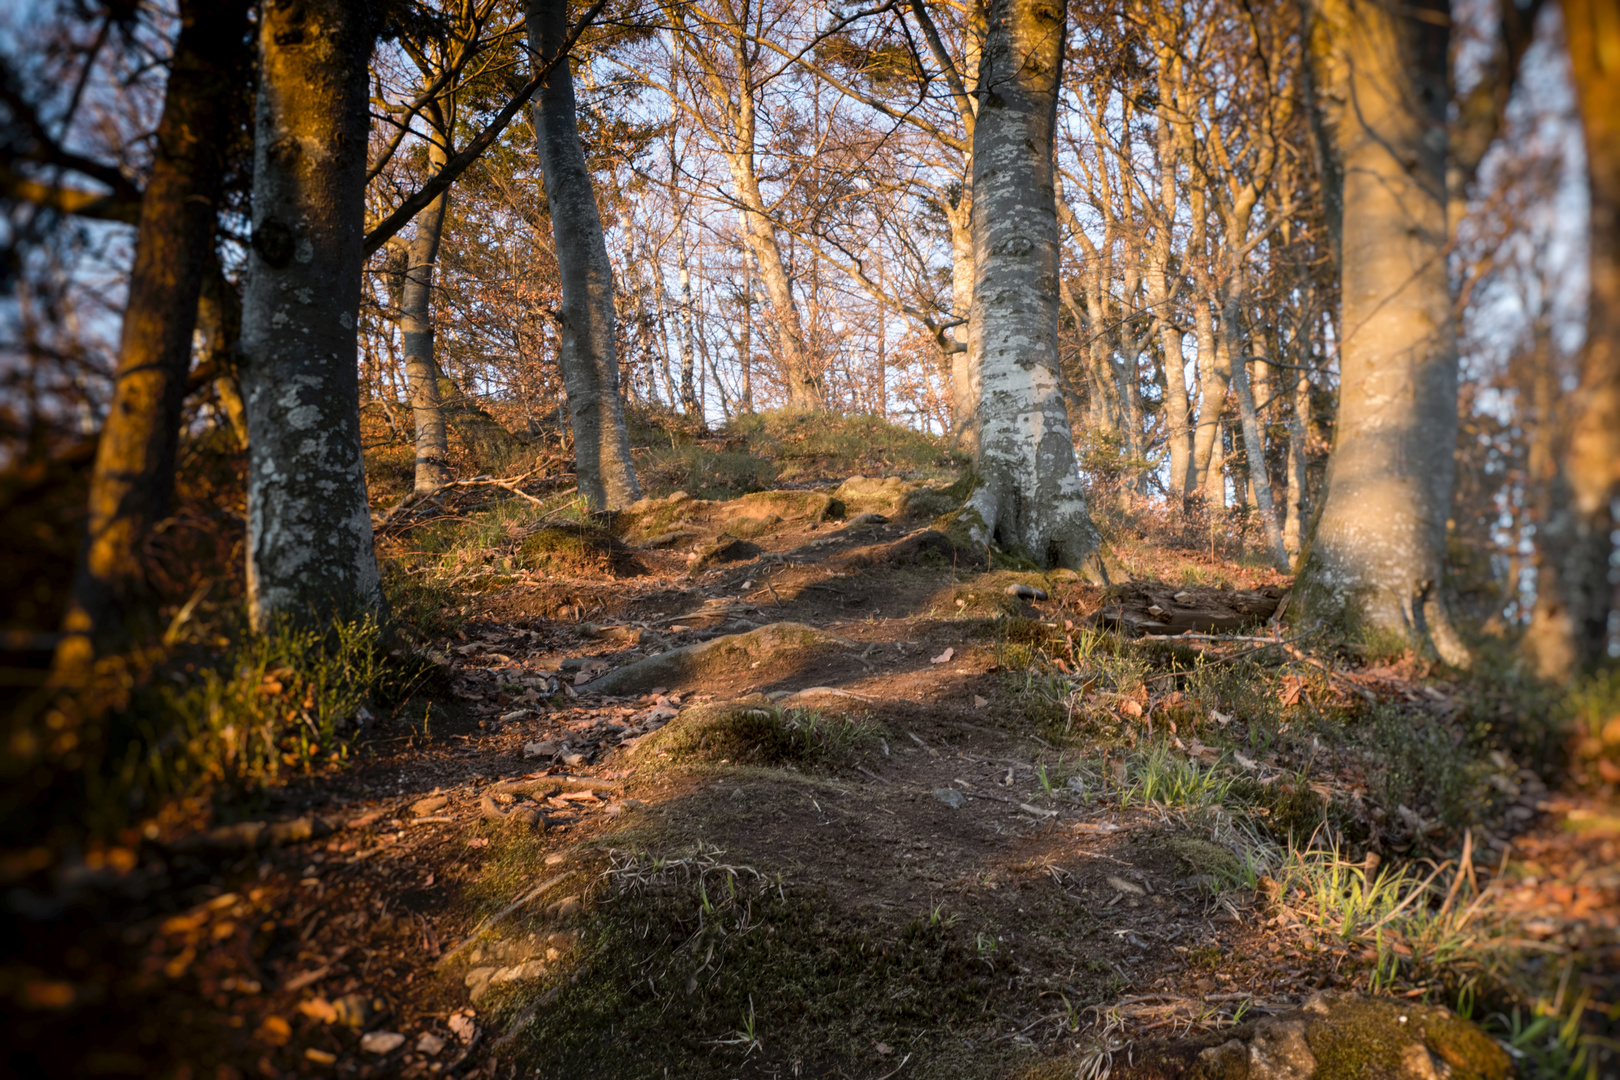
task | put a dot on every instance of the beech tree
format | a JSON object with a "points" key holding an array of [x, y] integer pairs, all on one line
{"points": [[1578, 608], [309, 523], [133, 479], [588, 353], [1374, 563], [1029, 496]]}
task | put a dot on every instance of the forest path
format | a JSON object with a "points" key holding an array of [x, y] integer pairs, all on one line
{"points": [[850, 853]]}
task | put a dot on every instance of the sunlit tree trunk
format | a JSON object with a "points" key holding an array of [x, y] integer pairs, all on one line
{"points": [[1579, 625], [309, 523], [1029, 496], [588, 354], [1298, 511], [133, 477], [416, 331], [964, 391], [1374, 564], [688, 386]]}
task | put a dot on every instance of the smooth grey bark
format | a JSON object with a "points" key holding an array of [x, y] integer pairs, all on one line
{"points": [[309, 523], [1374, 563], [1298, 511], [588, 353], [1029, 496], [688, 387], [1579, 627], [416, 330], [1259, 477]]}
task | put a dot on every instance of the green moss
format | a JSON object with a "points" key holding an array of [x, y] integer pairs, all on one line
{"points": [[575, 548], [793, 505], [1367, 1039], [749, 527], [754, 733]]}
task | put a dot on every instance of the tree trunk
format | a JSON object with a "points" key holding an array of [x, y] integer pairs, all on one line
{"points": [[133, 477], [219, 323], [1259, 477], [416, 330], [1212, 386], [688, 387], [309, 523], [588, 352], [964, 390], [1029, 496], [1298, 465], [1374, 564], [1589, 579]]}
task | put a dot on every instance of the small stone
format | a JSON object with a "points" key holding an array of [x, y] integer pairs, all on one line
{"points": [[319, 1057], [1124, 886], [556, 858], [950, 797], [573, 760], [430, 805], [565, 908], [1155, 610], [381, 1042], [461, 1025], [429, 1044], [1279, 1051], [1025, 592], [860, 521], [544, 748]]}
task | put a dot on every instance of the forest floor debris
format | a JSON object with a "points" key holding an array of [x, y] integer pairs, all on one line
{"points": [[957, 825]]}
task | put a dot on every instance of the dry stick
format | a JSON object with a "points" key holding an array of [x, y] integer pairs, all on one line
{"points": [[1246, 653], [503, 913], [508, 484]]}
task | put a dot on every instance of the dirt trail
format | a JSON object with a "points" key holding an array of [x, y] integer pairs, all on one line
{"points": [[908, 833]]}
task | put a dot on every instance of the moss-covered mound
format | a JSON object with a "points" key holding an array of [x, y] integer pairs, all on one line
{"points": [[577, 548], [1332, 1037], [750, 731]]}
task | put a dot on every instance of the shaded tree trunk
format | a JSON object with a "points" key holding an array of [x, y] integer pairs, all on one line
{"points": [[309, 523], [1029, 496], [133, 477], [588, 353], [416, 331], [1580, 626], [1374, 563], [219, 323]]}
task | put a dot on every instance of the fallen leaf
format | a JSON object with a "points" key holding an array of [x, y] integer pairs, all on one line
{"points": [[884, 1048], [1127, 886], [318, 1009], [319, 1057], [478, 841], [1130, 707], [1219, 717], [1243, 760], [979, 702], [274, 1030], [944, 657]]}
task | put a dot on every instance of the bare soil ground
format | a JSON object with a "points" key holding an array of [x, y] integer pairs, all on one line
{"points": [[886, 853]]}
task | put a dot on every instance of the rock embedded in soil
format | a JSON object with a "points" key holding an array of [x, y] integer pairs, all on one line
{"points": [[950, 797], [1331, 1037], [381, 1042]]}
